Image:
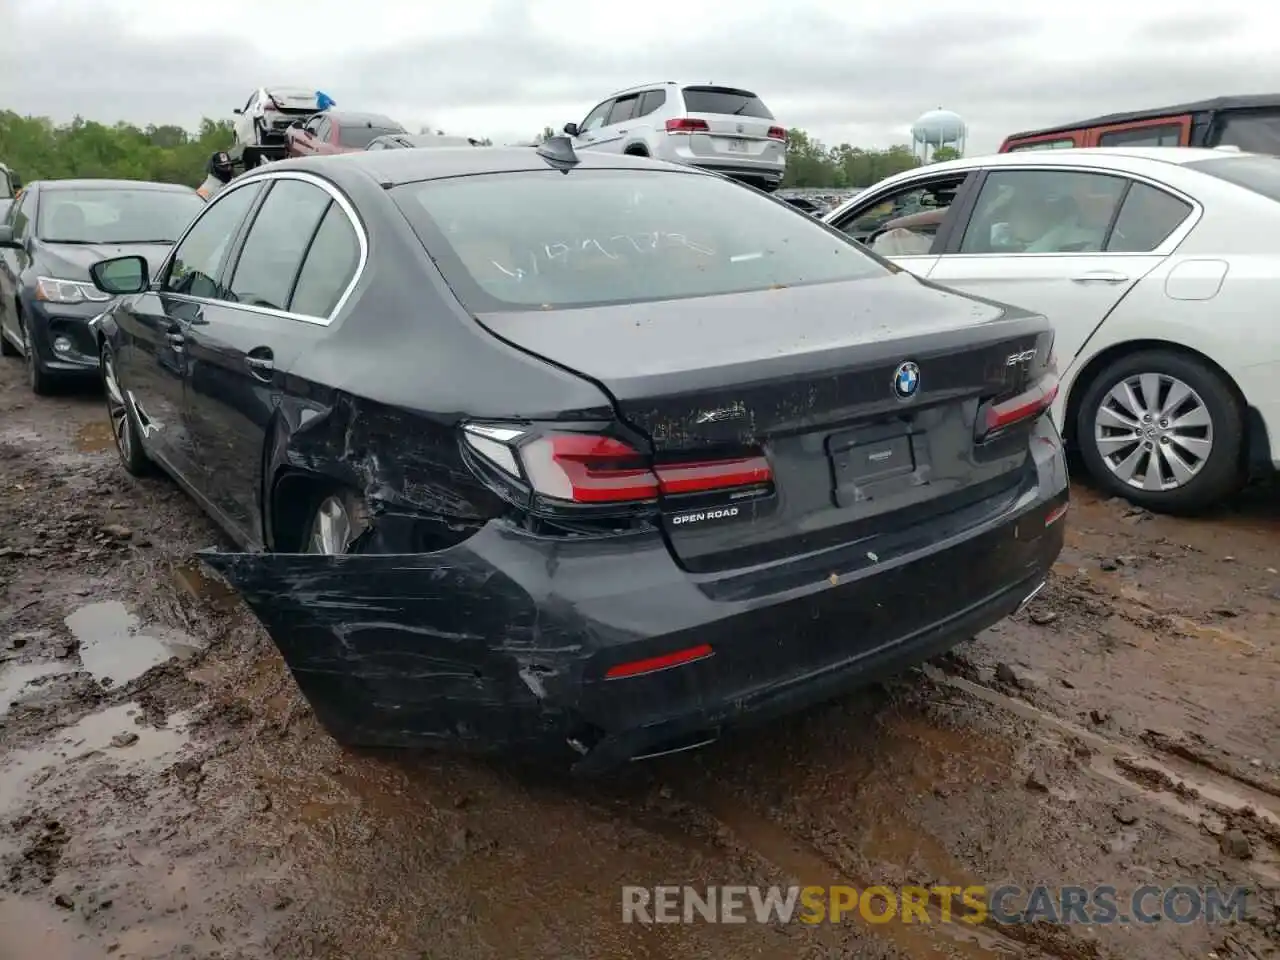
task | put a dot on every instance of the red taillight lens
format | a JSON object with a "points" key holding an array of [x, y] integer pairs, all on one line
{"points": [[587, 469], [1030, 403], [778, 133], [686, 125], [594, 469], [713, 475]]}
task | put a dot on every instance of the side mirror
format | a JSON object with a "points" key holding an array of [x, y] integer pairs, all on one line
{"points": [[237, 111], [6, 237], [571, 129], [121, 275]]}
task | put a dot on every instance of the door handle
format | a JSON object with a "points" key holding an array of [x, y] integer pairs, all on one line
{"points": [[261, 363], [622, 131], [1101, 276]]}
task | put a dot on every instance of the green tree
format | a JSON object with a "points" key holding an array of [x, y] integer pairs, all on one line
{"points": [[39, 149], [945, 153], [812, 164]]}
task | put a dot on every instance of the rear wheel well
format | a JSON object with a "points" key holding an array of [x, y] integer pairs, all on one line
{"points": [[1080, 386], [636, 150], [294, 496]]}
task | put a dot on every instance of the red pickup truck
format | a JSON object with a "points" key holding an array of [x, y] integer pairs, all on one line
{"points": [[337, 131]]}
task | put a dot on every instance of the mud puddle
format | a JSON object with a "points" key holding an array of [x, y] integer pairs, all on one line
{"points": [[95, 436], [114, 649], [113, 734], [19, 680]]}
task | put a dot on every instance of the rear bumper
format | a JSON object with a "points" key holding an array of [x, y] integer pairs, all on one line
{"points": [[502, 642]]}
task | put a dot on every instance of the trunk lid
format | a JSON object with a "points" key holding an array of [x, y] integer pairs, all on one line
{"points": [[738, 123], [294, 101], [807, 375]]}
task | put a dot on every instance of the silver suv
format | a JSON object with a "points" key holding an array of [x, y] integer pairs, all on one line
{"points": [[723, 129]]}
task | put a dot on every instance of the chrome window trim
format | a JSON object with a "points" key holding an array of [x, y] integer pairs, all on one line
{"points": [[248, 180], [1167, 247]]}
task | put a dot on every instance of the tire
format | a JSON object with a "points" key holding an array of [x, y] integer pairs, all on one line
{"points": [[42, 383], [1199, 464], [636, 152], [123, 420], [337, 518], [7, 349]]}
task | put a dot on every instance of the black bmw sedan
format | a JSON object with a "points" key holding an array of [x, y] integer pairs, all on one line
{"points": [[534, 452], [48, 241]]}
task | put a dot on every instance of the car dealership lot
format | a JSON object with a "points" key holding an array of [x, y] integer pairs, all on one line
{"points": [[1116, 732]]}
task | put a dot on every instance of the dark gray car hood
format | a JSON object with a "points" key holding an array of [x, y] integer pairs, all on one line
{"points": [[71, 261]]}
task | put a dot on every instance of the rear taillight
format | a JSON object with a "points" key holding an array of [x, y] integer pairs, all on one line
{"points": [[594, 469], [994, 417], [778, 133], [686, 125]]}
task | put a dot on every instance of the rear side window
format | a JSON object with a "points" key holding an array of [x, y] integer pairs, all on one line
{"points": [[1042, 211], [1163, 136], [1146, 219], [541, 240], [650, 101], [277, 242], [330, 265], [1259, 174], [362, 136], [726, 100], [1253, 132]]}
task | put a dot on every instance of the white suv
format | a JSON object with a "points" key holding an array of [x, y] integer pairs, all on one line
{"points": [[723, 129]]}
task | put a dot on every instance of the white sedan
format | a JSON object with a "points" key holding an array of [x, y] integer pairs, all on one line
{"points": [[1160, 270]]}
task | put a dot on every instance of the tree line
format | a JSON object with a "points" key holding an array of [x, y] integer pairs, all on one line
{"points": [[39, 149]]}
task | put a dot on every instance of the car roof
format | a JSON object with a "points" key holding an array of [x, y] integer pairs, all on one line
{"points": [[1254, 102], [359, 117], [394, 167], [682, 84], [105, 184], [1123, 158]]}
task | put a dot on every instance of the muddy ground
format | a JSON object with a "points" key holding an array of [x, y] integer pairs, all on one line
{"points": [[165, 792]]}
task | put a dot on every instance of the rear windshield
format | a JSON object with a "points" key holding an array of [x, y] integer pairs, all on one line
{"points": [[1259, 174], [361, 136], [737, 103], [543, 239]]}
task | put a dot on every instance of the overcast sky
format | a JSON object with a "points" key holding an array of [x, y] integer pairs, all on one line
{"points": [[844, 71]]}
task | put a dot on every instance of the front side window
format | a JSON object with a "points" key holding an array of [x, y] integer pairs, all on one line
{"points": [[198, 259], [906, 221], [596, 117], [276, 244], [1043, 211], [21, 215], [6, 188], [540, 239], [116, 215], [1169, 135], [624, 108]]}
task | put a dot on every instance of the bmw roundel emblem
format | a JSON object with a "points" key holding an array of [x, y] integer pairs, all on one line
{"points": [[906, 380]]}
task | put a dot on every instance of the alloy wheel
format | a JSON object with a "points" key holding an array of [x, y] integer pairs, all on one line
{"points": [[1153, 432], [117, 409]]}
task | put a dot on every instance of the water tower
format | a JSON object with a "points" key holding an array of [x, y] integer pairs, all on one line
{"points": [[937, 128]]}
